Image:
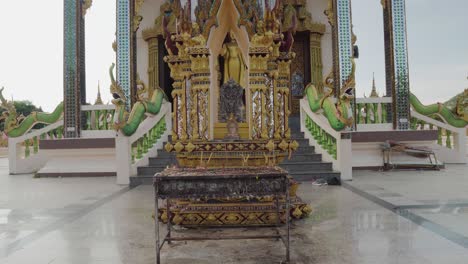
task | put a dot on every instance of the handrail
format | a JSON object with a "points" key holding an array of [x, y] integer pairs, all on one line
{"points": [[451, 140], [334, 146], [374, 100], [97, 107], [135, 150], [23, 159]]}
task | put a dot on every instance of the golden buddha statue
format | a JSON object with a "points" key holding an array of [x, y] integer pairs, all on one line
{"points": [[234, 63]]}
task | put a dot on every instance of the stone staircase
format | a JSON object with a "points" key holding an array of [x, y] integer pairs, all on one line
{"points": [[304, 165]]}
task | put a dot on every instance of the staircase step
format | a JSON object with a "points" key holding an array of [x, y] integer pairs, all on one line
{"points": [[165, 154], [302, 157], [332, 177], [141, 180], [297, 135], [163, 160], [151, 170], [302, 141], [306, 166]]}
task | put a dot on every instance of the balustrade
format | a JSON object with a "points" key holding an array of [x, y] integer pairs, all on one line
{"points": [[373, 110], [452, 140], [98, 117], [334, 146], [325, 140], [135, 151], [145, 143], [23, 150]]}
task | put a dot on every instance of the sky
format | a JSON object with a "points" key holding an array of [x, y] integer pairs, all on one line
{"points": [[31, 48]]}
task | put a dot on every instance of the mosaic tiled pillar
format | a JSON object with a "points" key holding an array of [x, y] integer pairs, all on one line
{"points": [[339, 16], [343, 45], [396, 60], [125, 40], [74, 67]]}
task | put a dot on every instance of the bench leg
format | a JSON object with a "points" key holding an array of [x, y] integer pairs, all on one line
{"points": [[169, 222], [288, 225], [156, 229]]}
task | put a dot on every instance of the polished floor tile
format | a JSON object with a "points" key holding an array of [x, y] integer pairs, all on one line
{"points": [[98, 222]]}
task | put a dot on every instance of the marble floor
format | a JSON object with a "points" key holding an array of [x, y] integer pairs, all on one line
{"points": [[92, 220]]}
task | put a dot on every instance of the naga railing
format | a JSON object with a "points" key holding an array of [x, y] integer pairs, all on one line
{"points": [[24, 152], [99, 121], [135, 150], [451, 140], [372, 113], [334, 146]]}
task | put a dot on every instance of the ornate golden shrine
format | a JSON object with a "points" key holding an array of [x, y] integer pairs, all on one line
{"points": [[230, 45], [193, 59], [245, 15]]}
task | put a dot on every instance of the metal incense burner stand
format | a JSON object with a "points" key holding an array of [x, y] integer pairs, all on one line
{"points": [[195, 183]]}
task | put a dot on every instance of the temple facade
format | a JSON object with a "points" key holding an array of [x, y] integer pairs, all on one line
{"points": [[324, 45], [225, 83]]}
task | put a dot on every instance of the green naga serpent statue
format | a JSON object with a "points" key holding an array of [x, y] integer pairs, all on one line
{"points": [[437, 110], [16, 126], [126, 122], [339, 114]]}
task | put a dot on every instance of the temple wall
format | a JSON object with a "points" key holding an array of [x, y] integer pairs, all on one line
{"points": [[316, 8], [149, 11]]}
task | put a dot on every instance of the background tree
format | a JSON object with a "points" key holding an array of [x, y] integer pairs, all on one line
{"points": [[24, 108]]}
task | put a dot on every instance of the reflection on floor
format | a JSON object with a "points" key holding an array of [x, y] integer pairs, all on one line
{"points": [[94, 221]]}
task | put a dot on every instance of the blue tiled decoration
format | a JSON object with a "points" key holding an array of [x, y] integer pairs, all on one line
{"points": [[345, 46], [72, 75], [123, 48], [401, 71]]}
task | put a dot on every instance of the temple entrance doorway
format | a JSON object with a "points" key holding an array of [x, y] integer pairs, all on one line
{"points": [[300, 69]]}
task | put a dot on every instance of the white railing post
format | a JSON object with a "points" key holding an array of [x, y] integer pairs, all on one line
{"points": [[14, 150], [459, 142], [302, 116], [123, 158], [345, 156]]}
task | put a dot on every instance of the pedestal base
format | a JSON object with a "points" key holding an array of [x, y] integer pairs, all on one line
{"points": [[233, 212]]}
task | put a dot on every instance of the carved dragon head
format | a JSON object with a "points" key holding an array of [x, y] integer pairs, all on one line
{"points": [[115, 89]]}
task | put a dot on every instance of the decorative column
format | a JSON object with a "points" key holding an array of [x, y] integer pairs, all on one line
{"points": [[125, 50], [74, 88], [396, 61], [199, 92], [153, 63], [339, 17], [345, 43], [316, 65], [284, 75], [258, 68], [180, 66]]}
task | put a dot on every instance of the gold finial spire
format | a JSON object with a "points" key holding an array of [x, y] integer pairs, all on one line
{"points": [[98, 99], [374, 89]]}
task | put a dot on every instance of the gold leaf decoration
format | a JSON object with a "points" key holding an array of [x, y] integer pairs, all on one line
{"points": [[178, 147]]}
